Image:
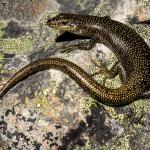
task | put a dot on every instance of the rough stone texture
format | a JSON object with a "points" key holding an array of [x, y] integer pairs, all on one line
{"points": [[25, 11], [49, 110]]}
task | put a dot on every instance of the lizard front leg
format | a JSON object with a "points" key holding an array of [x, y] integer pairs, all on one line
{"points": [[87, 45]]}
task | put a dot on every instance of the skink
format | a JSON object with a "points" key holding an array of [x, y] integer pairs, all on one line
{"points": [[131, 50]]}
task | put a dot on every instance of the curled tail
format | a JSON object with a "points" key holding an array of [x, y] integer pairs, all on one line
{"points": [[114, 97]]}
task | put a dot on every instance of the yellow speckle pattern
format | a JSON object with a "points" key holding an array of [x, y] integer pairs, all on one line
{"points": [[86, 103], [130, 49], [20, 45]]}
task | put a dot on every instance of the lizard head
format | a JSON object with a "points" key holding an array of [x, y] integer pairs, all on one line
{"points": [[68, 22]]}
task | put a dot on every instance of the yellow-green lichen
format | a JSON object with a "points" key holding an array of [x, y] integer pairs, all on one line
{"points": [[102, 8], [1, 60], [2, 25], [40, 101], [87, 145], [143, 30], [143, 3], [1, 57], [131, 126], [12, 71], [45, 30], [110, 83], [124, 142], [121, 143], [19, 45], [119, 117], [81, 3], [86, 103], [115, 82], [3, 145], [52, 87], [142, 105]]}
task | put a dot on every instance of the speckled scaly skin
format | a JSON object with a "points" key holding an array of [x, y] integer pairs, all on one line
{"points": [[131, 50]]}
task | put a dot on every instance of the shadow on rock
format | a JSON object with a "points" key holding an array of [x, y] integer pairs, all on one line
{"points": [[95, 128]]}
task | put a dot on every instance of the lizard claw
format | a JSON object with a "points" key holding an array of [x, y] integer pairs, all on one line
{"points": [[102, 67], [67, 50]]}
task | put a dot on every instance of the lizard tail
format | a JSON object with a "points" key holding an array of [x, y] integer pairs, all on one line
{"points": [[114, 97]]}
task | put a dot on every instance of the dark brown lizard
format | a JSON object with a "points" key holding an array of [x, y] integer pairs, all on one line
{"points": [[131, 50]]}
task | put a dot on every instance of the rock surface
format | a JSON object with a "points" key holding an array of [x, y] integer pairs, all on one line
{"points": [[49, 110]]}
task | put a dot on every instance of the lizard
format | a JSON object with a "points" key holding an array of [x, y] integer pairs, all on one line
{"points": [[133, 55]]}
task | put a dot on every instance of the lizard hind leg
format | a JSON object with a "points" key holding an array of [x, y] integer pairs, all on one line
{"points": [[109, 74]]}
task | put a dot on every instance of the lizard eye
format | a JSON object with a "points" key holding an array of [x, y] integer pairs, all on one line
{"points": [[69, 24], [64, 23], [73, 25]]}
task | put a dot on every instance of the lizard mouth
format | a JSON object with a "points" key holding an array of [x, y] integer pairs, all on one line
{"points": [[61, 24], [52, 23]]}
